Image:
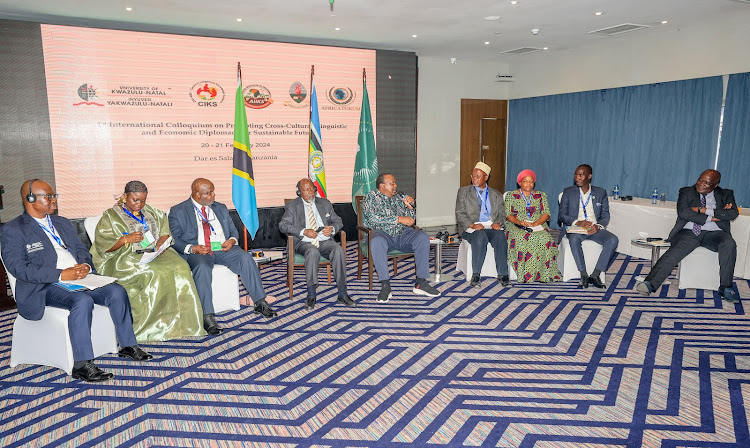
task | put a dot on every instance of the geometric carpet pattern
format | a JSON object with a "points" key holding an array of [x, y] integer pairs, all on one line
{"points": [[539, 365]]}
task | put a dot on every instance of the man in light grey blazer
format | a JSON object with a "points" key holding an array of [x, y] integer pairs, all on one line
{"points": [[313, 223], [480, 214]]}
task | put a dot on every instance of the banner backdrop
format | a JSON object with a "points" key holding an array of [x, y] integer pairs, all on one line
{"points": [[159, 108]]}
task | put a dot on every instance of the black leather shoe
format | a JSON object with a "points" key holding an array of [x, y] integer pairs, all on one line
{"points": [[345, 300], [135, 353], [310, 303], [729, 295], [584, 283], [262, 308], [475, 281], [597, 282], [90, 373], [209, 323], [504, 280]]}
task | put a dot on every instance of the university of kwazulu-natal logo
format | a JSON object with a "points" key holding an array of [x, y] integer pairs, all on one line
{"points": [[87, 93], [340, 95], [207, 94], [298, 92], [257, 96]]}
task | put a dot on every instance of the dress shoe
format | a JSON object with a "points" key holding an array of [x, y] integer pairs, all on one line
{"points": [[345, 300], [423, 288], [597, 282], [90, 373], [644, 288], [135, 353], [310, 303], [584, 283], [504, 280], [385, 293], [729, 295], [209, 323], [262, 308], [475, 281]]}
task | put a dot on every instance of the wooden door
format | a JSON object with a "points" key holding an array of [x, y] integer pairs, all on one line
{"points": [[483, 131]]}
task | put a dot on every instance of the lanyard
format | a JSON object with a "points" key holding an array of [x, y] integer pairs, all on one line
{"points": [[204, 218], [585, 204], [142, 220], [52, 232], [528, 202], [486, 198]]}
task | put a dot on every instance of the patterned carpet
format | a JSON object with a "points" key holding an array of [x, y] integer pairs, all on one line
{"points": [[544, 365]]}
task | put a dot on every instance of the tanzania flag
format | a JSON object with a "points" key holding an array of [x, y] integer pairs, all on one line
{"points": [[316, 169], [243, 182], [366, 160]]}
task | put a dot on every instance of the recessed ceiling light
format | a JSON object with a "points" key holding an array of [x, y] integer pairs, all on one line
{"points": [[513, 2], [598, 13], [545, 48], [492, 18], [664, 22], [337, 28], [128, 8], [239, 20], [487, 42], [413, 35]]}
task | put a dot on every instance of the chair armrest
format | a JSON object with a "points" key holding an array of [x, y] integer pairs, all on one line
{"points": [[342, 236]]}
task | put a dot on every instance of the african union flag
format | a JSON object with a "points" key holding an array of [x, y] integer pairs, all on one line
{"points": [[243, 182], [316, 169]]}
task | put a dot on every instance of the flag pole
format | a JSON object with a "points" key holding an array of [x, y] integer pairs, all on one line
{"points": [[309, 118]]}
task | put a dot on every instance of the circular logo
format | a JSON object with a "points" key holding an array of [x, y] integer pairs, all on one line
{"points": [[298, 92], [316, 163], [257, 96], [340, 95], [86, 92], [207, 91]]}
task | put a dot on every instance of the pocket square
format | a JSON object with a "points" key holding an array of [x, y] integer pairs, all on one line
{"points": [[328, 215]]}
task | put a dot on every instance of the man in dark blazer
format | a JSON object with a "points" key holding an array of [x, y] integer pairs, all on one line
{"points": [[313, 223], [204, 235], [480, 215], [704, 212], [40, 249], [587, 206]]}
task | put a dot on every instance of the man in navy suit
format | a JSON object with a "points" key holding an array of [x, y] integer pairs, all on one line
{"points": [[587, 206], [704, 212], [204, 235], [41, 249]]}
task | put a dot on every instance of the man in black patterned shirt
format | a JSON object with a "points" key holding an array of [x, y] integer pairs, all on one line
{"points": [[391, 216]]}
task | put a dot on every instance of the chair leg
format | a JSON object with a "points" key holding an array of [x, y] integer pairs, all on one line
{"points": [[369, 271], [395, 267], [290, 279], [359, 265], [328, 268]]}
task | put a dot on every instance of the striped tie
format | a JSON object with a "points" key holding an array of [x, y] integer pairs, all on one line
{"points": [[696, 226], [312, 223]]}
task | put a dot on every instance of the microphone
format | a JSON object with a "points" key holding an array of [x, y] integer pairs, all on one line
{"points": [[403, 195]]}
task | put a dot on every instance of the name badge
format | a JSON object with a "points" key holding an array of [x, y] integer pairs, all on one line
{"points": [[148, 239], [215, 242]]}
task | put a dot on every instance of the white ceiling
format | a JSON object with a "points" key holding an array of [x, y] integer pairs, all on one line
{"points": [[454, 28]]}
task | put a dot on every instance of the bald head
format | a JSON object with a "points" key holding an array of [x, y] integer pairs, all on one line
{"points": [[203, 191], [708, 181], [44, 203], [306, 190]]}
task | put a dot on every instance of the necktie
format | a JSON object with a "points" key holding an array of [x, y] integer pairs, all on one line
{"points": [[312, 223], [696, 226], [206, 227]]}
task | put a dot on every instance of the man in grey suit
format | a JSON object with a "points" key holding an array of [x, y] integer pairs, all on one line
{"points": [[480, 214], [313, 223], [204, 235], [587, 206]]}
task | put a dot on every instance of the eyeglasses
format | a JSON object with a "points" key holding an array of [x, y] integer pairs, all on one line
{"points": [[49, 196]]}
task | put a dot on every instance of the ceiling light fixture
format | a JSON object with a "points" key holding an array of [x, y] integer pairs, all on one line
{"points": [[413, 35], [239, 20], [513, 2], [337, 28], [491, 18], [664, 22], [545, 48], [598, 13], [128, 8], [487, 42]]}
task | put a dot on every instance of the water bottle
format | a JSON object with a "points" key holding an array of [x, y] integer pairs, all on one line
{"points": [[616, 192], [655, 196]]}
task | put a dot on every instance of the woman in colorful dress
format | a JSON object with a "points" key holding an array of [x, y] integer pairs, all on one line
{"points": [[163, 298], [531, 250]]}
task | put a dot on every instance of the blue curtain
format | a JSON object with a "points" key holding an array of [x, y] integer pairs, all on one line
{"points": [[734, 150], [641, 137]]}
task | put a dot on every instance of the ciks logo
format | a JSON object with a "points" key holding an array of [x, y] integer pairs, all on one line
{"points": [[207, 94], [87, 93], [340, 95], [257, 96]]}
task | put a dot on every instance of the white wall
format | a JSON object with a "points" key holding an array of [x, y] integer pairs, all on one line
{"points": [[639, 57], [441, 88]]}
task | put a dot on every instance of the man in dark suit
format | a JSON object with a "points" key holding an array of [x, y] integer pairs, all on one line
{"points": [[480, 214], [204, 235], [704, 212], [587, 206], [41, 249], [313, 223]]}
